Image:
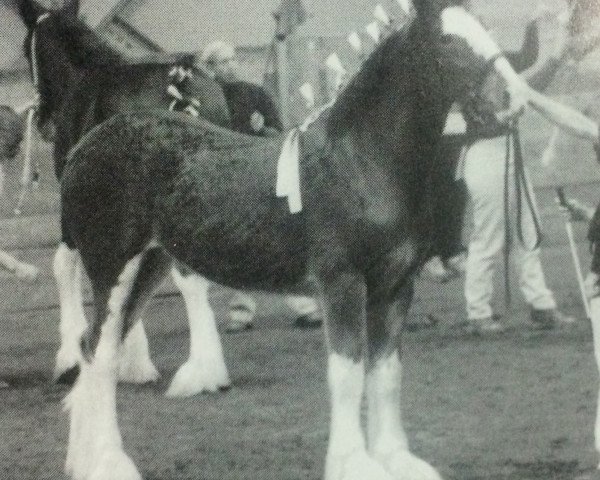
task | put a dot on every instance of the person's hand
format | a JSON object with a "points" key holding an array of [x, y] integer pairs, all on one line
{"points": [[257, 122], [576, 211]]}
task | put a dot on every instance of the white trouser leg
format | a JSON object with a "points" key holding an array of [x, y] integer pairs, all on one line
{"points": [[95, 450], [484, 178], [347, 458], [205, 369], [67, 272], [387, 440]]}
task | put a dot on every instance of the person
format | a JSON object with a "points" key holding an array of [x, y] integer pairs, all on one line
{"points": [[448, 256], [253, 112], [484, 175]]}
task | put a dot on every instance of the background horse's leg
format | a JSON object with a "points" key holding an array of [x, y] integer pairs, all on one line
{"points": [[135, 364], [387, 439], [205, 369], [95, 450], [67, 272], [595, 318], [347, 458]]}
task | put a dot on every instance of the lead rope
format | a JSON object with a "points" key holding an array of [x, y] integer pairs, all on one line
{"points": [[507, 235], [30, 175], [521, 187]]}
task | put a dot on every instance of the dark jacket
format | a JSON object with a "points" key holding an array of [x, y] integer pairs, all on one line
{"points": [[243, 99]]}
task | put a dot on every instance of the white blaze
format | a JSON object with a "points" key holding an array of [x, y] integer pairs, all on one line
{"points": [[457, 21]]}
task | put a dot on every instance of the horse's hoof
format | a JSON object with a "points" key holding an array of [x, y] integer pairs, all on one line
{"points": [[68, 377]]}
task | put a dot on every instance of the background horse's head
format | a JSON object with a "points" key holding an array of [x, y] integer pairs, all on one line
{"points": [[52, 47]]}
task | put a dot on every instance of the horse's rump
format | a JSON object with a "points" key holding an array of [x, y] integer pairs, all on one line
{"points": [[203, 192]]}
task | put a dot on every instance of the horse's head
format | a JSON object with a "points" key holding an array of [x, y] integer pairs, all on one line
{"points": [[45, 48], [465, 51]]}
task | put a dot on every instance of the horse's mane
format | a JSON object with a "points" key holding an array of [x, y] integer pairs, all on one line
{"points": [[367, 86]]}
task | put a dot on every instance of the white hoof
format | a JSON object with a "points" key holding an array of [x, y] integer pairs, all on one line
{"points": [[137, 371], [193, 378], [354, 466], [403, 465], [115, 465]]}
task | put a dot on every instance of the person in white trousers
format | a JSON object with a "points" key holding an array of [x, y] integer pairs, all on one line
{"points": [[484, 175]]}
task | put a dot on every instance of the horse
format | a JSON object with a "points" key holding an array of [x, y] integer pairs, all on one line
{"points": [[81, 83], [145, 189]]}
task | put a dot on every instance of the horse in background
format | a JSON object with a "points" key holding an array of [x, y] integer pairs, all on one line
{"points": [[143, 190], [81, 82]]}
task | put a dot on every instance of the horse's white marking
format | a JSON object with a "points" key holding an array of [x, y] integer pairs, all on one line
{"points": [[95, 450], [387, 439], [595, 318], [457, 21], [205, 369], [347, 458], [135, 364], [383, 393], [67, 272]]}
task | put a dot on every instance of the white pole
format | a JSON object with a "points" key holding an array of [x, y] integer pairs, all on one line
{"points": [[283, 81]]}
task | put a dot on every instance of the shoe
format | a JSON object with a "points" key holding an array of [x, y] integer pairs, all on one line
{"points": [[485, 326], [457, 263], [435, 270], [312, 320], [550, 318], [241, 318]]}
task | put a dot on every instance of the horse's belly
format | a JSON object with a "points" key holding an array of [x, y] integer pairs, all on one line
{"points": [[261, 248]]}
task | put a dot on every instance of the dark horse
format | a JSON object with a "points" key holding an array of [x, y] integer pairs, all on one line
{"points": [[143, 189], [81, 83]]}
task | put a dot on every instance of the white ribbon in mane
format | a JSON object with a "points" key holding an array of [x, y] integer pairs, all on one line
{"points": [[288, 165]]}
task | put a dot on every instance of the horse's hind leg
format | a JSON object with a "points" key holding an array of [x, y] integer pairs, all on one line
{"points": [[205, 369], [67, 272], [386, 437], [95, 450], [344, 301], [135, 363]]}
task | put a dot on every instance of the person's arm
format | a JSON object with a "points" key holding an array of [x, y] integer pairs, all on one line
{"points": [[269, 111]]}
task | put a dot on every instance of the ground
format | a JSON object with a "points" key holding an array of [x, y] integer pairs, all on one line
{"points": [[521, 407]]}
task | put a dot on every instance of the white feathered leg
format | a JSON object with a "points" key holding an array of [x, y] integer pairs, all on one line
{"points": [[95, 450], [67, 272], [347, 458], [595, 318], [387, 440], [205, 369]]}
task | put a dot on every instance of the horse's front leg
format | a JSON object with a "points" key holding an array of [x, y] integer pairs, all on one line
{"points": [[344, 302], [387, 439], [205, 369]]}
